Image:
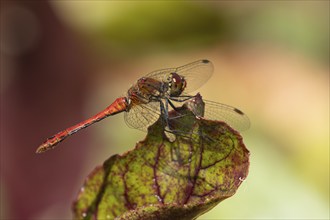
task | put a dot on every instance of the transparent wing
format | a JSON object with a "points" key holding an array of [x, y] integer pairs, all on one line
{"points": [[143, 115], [215, 111], [231, 115], [196, 74]]}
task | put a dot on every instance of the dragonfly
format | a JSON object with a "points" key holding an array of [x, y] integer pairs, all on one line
{"points": [[151, 97]]}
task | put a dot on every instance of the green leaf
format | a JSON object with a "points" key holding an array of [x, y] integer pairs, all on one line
{"points": [[163, 179]]}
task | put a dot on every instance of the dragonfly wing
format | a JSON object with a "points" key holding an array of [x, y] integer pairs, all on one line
{"points": [[162, 74], [196, 74], [143, 115], [231, 115]]}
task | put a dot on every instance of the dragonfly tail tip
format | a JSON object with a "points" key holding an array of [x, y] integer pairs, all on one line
{"points": [[42, 148]]}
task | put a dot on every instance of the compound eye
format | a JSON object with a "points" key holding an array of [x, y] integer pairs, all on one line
{"points": [[176, 79], [177, 85]]}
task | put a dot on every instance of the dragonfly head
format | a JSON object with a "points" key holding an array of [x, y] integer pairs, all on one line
{"points": [[177, 84]]}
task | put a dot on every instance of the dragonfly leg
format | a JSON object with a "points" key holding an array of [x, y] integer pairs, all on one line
{"points": [[164, 112], [182, 98], [172, 105]]}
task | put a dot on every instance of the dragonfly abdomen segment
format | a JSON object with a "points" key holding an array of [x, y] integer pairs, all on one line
{"points": [[119, 105]]}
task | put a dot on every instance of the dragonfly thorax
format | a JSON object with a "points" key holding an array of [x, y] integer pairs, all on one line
{"points": [[145, 90], [176, 84]]}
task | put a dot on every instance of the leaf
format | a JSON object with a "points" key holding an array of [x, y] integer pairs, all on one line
{"points": [[160, 179]]}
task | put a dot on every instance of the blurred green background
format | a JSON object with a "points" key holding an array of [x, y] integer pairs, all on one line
{"points": [[63, 61]]}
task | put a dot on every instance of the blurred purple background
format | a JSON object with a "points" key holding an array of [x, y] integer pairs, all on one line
{"points": [[44, 81]]}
